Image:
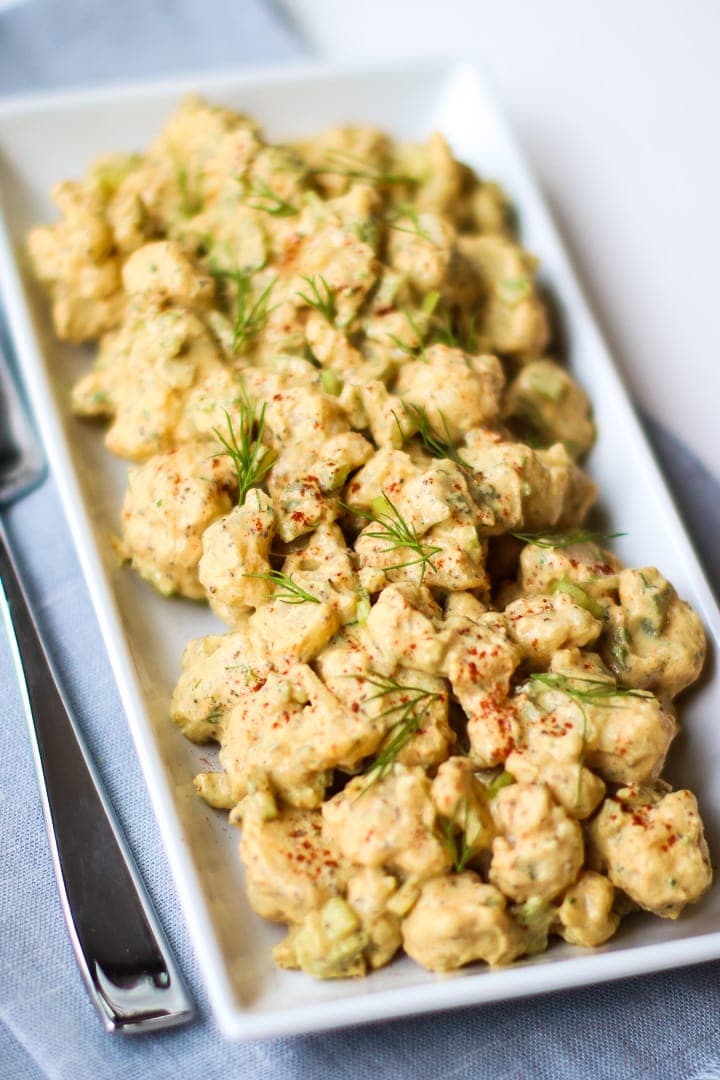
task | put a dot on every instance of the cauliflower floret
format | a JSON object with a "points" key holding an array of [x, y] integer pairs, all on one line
{"points": [[437, 174], [329, 943], [653, 848], [586, 564], [457, 920], [293, 729], [513, 320], [552, 740], [490, 209], [539, 851], [303, 419], [420, 247], [170, 502], [352, 142], [339, 456], [546, 403], [458, 392], [292, 632], [381, 411], [235, 558], [331, 347], [399, 629], [448, 556], [386, 471], [300, 505], [332, 251], [541, 625], [411, 707], [526, 488], [368, 893], [586, 915], [169, 179], [388, 823], [324, 568], [217, 671], [653, 640], [291, 866], [627, 734], [76, 261], [439, 494], [162, 272], [149, 377], [479, 663]]}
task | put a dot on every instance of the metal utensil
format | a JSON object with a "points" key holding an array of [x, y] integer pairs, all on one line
{"points": [[123, 954]]}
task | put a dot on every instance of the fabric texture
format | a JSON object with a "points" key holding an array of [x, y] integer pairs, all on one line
{"points": [[659, 1026]]}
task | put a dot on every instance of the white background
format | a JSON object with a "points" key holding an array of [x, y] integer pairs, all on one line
{"points": [[617, 105]]}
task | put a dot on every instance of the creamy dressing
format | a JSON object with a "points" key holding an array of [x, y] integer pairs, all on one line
{"points": [[442, 706]]}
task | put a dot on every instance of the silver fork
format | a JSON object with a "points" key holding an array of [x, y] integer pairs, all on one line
{"points": [[122, 952]]}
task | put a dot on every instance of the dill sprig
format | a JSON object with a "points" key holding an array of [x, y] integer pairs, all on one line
{"points": [[271, 203], [250, 317], [417, 351], [244, 446], [550, 538], [437, 445], [343, 163], [407, 718], [456, 844], [398, 534], [444, 332], [409, 213], [589, 691], [321, 298], [288, 590]]}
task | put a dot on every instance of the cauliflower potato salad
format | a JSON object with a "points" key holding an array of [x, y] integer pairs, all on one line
{"points": [[442, 706]]}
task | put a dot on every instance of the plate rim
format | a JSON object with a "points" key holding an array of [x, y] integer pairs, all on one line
{"points": [[463, 989]]}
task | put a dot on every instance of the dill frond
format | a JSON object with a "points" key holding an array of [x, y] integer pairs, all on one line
{"points": [[321, 298], [417, 352], [437, 445], [343, 163], [249, 317], [398, 534], [456, 844], [444, 332], [244, 446], [270, 202], [408, 716], [288, 590], [551, 538], [409, 213], [588, 691]]}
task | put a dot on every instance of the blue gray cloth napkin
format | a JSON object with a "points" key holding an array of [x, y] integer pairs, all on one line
{"points": [[658, 1026]]}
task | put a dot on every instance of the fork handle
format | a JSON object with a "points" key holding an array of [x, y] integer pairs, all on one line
{"points": [[122, 952]]}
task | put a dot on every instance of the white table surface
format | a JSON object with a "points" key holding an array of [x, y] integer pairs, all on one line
{"points": [[617, 105]]}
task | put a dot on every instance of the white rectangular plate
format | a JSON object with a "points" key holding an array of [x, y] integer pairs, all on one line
{"points": [[49, 139]]}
